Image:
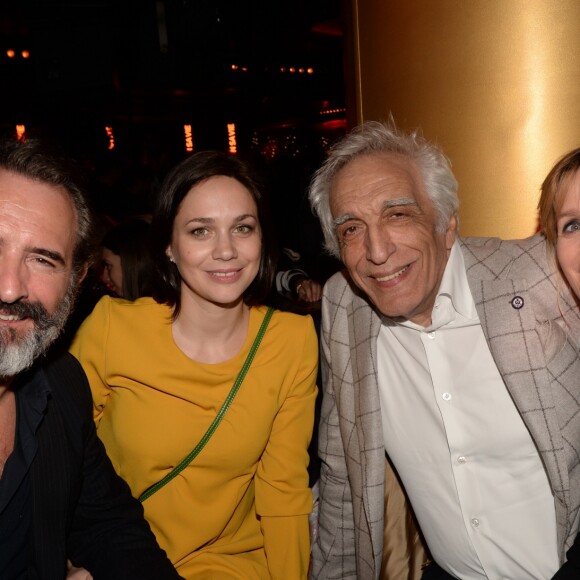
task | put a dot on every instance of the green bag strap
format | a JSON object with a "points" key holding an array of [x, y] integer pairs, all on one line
{"points": [[220, 415]]}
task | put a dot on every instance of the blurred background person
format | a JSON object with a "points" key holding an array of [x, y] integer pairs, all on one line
{"points": [[127, 265], [162, 370], [297, 284]]}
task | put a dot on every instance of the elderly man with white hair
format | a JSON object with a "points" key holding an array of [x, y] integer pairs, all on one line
{"points": [[456, 359]]}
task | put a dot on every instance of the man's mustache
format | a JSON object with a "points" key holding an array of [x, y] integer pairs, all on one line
{"points": [[33, 310]]}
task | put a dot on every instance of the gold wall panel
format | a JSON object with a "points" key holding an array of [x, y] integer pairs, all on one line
{"points": [[495, 82]]}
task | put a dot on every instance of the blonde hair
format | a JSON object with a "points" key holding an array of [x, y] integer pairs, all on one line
{"points": [[553, 192], [551, 201]]}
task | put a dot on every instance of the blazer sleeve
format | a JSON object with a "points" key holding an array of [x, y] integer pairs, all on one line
{"points": [[107, 534], [333, 554]]}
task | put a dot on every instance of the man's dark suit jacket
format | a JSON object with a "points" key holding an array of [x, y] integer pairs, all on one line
{"points": [[81, 509]]}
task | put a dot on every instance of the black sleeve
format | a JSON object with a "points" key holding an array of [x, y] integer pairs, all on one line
{"points": [[108, 534], [571, 569]]}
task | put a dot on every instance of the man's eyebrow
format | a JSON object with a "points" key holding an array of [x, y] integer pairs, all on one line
{"points": [[342, 219], [55, 256], [399, 202]]}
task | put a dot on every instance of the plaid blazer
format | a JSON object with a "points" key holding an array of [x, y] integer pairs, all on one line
{"points": [[533, 330]]}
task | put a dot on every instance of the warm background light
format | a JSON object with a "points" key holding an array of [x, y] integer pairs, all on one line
{"points": [[187, 130], [495, 82], [232, 143], [111, 136]]}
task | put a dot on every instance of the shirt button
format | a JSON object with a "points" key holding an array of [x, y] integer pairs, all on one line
{"points": [[431, 335], [475, 522], [462, 459], [446, 396]]}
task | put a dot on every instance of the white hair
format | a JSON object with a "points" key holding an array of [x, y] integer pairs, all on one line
{"points": [[376, 138]]}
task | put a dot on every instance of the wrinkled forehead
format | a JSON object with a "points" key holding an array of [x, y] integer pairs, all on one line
{"points": [[388, 175]]}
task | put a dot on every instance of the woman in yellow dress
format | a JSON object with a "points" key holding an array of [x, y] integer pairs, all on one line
{"points": [[161, 369]]}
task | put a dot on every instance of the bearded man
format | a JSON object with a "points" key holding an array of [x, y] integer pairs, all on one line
{"points": [[59, 494]]}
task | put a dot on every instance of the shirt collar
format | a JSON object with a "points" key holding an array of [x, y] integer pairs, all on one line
{"points": [[454, 303], [455, 287]]}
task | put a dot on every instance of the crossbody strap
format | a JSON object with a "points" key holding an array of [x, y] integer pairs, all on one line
{"points": [[220, 415]]}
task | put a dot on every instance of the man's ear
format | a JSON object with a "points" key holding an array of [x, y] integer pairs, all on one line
{"points": [[82, 274], [451, 233]]}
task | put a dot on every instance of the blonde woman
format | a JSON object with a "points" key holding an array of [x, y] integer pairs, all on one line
{"points": [[559, 209]]}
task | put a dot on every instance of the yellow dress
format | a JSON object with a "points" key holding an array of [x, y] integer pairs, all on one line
{"points": [[240, 510]]}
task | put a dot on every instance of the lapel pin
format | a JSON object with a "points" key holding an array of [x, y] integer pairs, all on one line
{"points": [[517, 302]]}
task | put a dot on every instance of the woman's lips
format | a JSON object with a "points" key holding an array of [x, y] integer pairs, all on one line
{"points": [[229, 276]]}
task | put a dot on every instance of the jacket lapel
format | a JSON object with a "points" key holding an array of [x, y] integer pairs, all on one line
{"points": [[364, 326]]}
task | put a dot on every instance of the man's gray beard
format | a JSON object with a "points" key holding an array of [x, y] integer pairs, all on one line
{"points": [[18, 353]]}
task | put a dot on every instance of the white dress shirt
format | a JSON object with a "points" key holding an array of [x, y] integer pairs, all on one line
{"points": [[467, 461]]}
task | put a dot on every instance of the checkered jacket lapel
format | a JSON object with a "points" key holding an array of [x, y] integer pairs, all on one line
{"points": [[351, 405], [364, 326]]}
